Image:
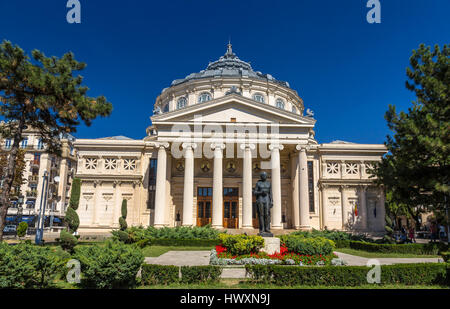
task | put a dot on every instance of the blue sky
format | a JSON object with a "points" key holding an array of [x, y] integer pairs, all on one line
{"points": [[347, 70]]}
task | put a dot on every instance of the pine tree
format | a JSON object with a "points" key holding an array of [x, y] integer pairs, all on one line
{"points": [[416, 170], [19, 166], [44, 94]]}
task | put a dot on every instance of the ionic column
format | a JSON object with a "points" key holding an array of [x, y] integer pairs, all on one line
{"points": [[217, 211], [363, 208], [276, 185], [304, 194], [188, 195], [247, 187], [344, 205], [323, 188], [160, 193], [295, 193]]}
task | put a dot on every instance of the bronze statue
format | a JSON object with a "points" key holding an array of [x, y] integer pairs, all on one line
{"points": [[264, 203]]}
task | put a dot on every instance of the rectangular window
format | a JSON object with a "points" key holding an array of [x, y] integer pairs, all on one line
{"points": [[8, 144], [24, 143], [312, 207], [152, 183], [40, 145]]}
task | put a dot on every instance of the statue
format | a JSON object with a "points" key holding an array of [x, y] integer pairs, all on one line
{"points": [[264, 203]]}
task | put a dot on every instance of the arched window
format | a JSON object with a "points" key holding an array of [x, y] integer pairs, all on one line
{"points": [[259, 98], [182, 102], [166, 108], [280, 103], [294, 109], [204, 97]]}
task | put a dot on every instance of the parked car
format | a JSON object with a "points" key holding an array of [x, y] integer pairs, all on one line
{"points": [[10, 230]]}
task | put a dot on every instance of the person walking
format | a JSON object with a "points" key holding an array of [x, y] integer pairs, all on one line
{"points": [[433, 230], [412, 233]]}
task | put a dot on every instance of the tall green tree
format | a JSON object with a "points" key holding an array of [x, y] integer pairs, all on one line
{"points": [[45, 93], [19, 166], [416, 170]]}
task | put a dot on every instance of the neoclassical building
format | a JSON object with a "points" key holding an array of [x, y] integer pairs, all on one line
{"points": [[211, 136]]}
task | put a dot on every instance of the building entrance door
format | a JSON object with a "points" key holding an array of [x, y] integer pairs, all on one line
{"points": [[231, 208], [204, 208]]}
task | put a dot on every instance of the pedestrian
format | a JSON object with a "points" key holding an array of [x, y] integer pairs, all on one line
{"points": [[412, 233], [433, 230], [441, 232]]}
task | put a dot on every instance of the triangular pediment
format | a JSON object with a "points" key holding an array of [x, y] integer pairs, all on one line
{"points": [[233, 108]]}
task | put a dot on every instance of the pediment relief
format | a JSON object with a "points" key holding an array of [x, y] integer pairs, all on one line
{"points": [[233, 109]]}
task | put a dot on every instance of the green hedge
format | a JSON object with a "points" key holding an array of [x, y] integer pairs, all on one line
{"points": [[407, 274], [159, 274], [446, 256], [200, 274], [185, 242], [309, 246], [165, 275], [425, 249]]}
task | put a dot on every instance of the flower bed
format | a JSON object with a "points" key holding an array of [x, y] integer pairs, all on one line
{"points": [[220, 256]]}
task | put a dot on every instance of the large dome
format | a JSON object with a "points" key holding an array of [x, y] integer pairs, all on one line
{"points": [[229, 65]]}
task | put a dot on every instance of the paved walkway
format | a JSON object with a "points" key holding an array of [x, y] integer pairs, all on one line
{"points": [[181, 258], [199, 258], [354, 260]]}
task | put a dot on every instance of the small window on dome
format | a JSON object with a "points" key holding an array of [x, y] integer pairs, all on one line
{"points": [[259, 98], [294, 109], [181, 103], [204, 97], [166, 108], [280, 103]]}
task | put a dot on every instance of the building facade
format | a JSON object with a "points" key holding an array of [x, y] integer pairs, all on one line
{"points": [[26, 200], [212, 134]]}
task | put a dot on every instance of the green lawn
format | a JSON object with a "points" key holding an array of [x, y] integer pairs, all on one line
{"points": [[155, 251], [382, 255]]}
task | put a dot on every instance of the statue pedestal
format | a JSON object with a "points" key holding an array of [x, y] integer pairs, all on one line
{"points": [[271, 245]]}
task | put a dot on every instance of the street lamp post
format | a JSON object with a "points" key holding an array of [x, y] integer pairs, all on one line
{"points": [[42, 204]]}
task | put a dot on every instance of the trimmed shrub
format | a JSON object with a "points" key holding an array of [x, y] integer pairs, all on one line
{"points": [[123, 220], [407, 274], [109, 265], [75, 194], [67, 241], [200, 274], [159, 274], [425, 249], [241, 244], [329, 234], [446, 256], [309, 246], [72, 220], [179, 235], [22, 229], [184, 242], [26, 266]]}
